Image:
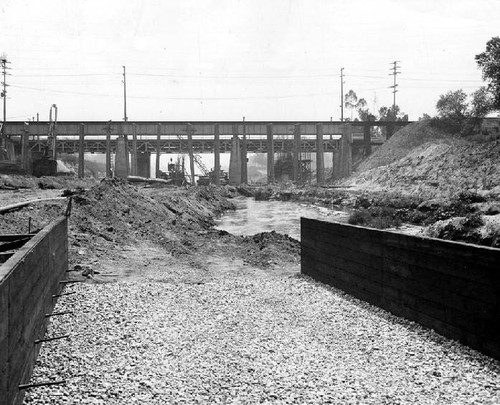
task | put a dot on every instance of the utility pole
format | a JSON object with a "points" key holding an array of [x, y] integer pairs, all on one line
{"points": [[4, 62], [394, 73], [342, 95], [125, 118]]}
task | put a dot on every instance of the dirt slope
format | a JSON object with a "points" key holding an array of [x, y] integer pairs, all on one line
{"points": [[424, 162]]}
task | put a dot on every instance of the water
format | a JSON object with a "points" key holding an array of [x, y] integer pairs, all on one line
{"points": [[251, 217]]}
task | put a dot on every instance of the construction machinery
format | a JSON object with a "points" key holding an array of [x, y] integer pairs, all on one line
{"points": [[176, 173]]}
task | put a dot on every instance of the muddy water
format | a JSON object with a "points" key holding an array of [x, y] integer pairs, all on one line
{"points": [[251, 217]]}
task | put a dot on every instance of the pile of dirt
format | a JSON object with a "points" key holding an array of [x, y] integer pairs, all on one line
{"points": [[114, 215], [403, 142], [426, 163], [16, 182]]}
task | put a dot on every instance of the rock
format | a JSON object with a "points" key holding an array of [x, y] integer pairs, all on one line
{"points": [[244, 190], [429, 205], [493, 210], [87, 271]]}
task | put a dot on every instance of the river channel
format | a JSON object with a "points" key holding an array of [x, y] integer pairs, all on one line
{"points": [[251, 217]]}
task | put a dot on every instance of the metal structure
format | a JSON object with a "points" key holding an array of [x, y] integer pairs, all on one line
{"points": [[165, 137], [51, 148]]}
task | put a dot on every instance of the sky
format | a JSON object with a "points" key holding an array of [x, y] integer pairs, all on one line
{"points": [[265, 60]]}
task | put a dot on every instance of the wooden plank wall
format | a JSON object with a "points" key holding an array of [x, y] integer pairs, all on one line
{"points": [[27, 282], [453, 288]]}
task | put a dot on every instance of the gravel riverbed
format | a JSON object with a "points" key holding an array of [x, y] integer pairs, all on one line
{"points": [[227, 332]]}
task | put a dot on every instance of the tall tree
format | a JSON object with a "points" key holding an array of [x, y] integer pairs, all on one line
{"points": [[352, 102], [392, 113], [452, 105], [481, 103], [489, 62]]}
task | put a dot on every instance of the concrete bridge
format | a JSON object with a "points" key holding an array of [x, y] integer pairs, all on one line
{"points": [[143, 138]]}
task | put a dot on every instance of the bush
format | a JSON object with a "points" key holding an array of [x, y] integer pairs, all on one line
{"points": [[469, 197], [472, 221], [377, 217], [359, 218], [263, 194]]}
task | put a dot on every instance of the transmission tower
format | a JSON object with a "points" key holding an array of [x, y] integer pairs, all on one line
{"points": [[394, 72]]}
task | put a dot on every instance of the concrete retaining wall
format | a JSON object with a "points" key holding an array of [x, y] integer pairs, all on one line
{"points": [[27, 281], [453, 288]]}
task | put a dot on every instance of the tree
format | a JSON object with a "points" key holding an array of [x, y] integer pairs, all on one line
{"points": [[481, 103], [392, 113], [365, 114], [452, 105], [352, 102], [489, 62]]}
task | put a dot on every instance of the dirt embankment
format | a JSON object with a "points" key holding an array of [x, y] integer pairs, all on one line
{"points": [[113, 222], [449, 183]]}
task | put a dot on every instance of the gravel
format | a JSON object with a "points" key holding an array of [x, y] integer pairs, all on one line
{"points": [[182, 336]]}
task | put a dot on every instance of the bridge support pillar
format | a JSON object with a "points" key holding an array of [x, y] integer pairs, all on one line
{"points": [[337, 164], [296, 152], [217, 154], [270, 154], [158, 150], [133, 160], [320, 164], [144, 164], [235, 159], [367, 139], [25, 152], [189, 131], [81, 153], [108, 151], [346, 151], [244, 159], [121, 157]]}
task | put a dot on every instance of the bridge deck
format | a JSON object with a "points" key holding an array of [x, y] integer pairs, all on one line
{"points": [[171, 137]]}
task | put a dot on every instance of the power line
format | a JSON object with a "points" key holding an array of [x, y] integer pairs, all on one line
{"points": [[68, 75], [176, 98]]}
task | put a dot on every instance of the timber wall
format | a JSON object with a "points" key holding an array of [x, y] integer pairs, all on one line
{"points": [[453, 288], [27, 281]]}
